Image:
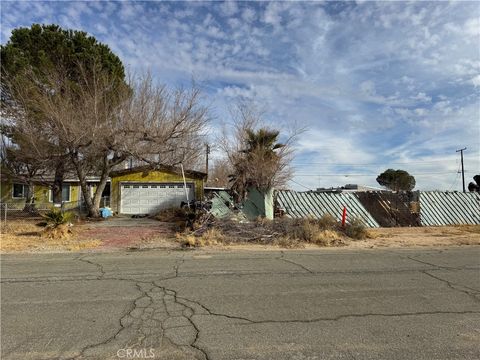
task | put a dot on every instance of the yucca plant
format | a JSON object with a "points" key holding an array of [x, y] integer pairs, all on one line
{"points": [[56, 217]]}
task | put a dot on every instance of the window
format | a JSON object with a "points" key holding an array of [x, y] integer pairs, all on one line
{"points": [[145, 186], [126, 186], [65, 193], [19, 191], [135, 186]]}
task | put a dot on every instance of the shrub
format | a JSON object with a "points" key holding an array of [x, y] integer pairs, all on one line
{"points": [[213, 236], [288, 242], [356, 229], [327, 222], [55, 217]]}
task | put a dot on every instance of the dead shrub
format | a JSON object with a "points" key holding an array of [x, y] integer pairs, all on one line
{"points": [[313, 231], [327, 222], [288, 242], [283, 232], [213, 236], [60, 231], [306, 230], [327, 238], [356, 229], [171, 215]]}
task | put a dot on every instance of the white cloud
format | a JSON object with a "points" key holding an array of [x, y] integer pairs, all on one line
{"points": [[248, 15], [374, 83], [229, 8], [475, 80]]}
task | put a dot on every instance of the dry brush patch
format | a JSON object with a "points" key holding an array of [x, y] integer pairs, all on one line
{"points": [[24, 235], [283, 232]]}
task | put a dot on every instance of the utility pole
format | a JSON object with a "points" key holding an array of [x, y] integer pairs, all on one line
{"points": [[463, 171], [207, 151]]}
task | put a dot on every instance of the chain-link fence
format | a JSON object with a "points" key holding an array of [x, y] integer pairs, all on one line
{"points": [[16, 211]]}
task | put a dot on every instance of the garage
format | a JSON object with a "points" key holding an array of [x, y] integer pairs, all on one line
{"points": [[148, 198], [147, 190]]}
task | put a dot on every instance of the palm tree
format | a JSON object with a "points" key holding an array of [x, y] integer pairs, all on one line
{"points": [[256, 164]]}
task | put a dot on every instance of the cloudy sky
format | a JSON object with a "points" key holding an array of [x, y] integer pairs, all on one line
{"points": [[376, 84]]}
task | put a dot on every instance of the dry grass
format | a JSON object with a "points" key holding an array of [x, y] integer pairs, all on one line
{"points": [[22, 235], [171, 215], [284, 232], [212, 236], [356, 230], [475, 229]]}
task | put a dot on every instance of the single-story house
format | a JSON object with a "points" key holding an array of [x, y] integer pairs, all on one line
{"points": [[138, 190], [13, 192]]}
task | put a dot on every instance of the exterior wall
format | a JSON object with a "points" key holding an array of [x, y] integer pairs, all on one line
{"points": [[151, 176], [41, 194]]}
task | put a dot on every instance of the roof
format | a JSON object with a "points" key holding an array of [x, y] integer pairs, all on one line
{"points": [[164, 168]]}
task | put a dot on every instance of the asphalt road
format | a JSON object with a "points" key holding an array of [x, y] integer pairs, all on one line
{"points": [[325, 304]]}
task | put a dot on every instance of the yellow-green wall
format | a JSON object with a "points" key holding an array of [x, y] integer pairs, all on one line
{"points": [[151, 176], [41, 194]]}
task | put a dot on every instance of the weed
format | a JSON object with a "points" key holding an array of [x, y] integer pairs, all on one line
{"points": [[288, 242], [327, 222], [356, 229]]}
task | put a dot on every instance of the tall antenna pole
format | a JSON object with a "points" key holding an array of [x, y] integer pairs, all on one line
{"points": [[207, 151], [463, 171]]}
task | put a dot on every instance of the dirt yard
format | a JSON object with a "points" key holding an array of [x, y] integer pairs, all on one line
{"points": [[421, 236], [25, 236]]}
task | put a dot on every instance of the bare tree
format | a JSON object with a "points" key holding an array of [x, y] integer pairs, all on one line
{"points": [[219, 174], [19, 166], [100, 122], [257, 154]]}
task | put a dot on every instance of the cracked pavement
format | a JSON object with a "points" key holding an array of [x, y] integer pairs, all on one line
{"points": [[294, 304]]}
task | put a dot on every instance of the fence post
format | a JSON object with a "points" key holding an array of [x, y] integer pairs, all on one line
{"points": [[344, 216]]}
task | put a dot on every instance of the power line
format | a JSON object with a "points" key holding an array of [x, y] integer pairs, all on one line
{"points": [[456, 178], [376, 164], [372, 174], [306, 187]]}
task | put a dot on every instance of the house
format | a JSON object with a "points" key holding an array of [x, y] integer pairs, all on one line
{"points": [[144, 190], [138, 190], [13, 192]]}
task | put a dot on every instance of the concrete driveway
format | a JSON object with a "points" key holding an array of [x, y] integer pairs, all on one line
{"points": [[324, 304]]}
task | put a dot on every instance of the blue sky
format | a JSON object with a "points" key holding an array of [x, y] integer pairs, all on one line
{"points": [[377, 84]]}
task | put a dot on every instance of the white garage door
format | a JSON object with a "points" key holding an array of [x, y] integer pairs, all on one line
{"points": [[148, 198]]}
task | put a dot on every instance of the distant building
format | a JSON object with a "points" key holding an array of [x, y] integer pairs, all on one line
{"points": [[351, 188]]}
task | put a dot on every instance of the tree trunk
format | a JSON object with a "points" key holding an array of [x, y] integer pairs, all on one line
{"points": [[58, 182], [29, 199], [92, 204], [84, 187], [97, 197]]}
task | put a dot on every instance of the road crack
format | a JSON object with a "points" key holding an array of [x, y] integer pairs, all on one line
{"points": [[282, 257], [97, 265], [473, 293]]}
